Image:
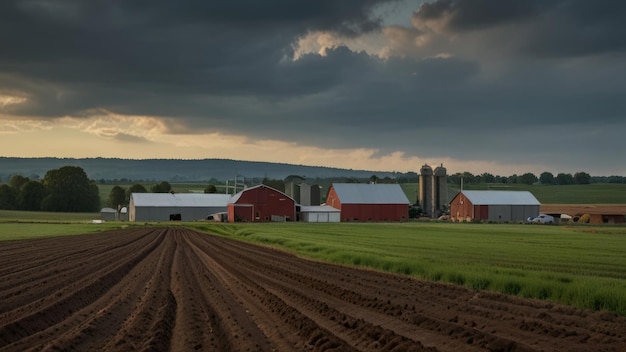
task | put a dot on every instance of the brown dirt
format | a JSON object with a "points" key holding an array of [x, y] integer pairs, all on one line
{"points": [[180, 290]]}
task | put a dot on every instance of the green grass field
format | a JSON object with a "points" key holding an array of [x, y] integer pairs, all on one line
{"points": [[19, 225], [582, 266]]}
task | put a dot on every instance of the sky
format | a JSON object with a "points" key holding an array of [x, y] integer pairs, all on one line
{"points": [[505, 87]]}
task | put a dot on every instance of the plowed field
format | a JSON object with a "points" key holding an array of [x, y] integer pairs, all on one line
{"points": [[180, 290]]}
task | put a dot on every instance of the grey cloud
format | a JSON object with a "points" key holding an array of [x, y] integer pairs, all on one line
{"points": [[462, 15], [536, 27]]}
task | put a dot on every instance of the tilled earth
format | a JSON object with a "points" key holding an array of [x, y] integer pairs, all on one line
{"points": [[180, 290]]}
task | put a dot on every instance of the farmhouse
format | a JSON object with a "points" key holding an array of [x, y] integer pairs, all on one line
{"points": [[261, 203], [175, 206], [496, 206], [369, 202]]}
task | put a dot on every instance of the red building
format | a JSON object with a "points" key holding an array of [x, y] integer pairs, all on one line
{"points": [[369, 202], [261, 203], [494, 206]]}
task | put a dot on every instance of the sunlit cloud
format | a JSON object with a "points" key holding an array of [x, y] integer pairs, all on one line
{"points": [[7, 100], [11, 125]]}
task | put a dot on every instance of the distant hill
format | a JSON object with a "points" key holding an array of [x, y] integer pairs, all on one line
{"points": [[175, 170]]}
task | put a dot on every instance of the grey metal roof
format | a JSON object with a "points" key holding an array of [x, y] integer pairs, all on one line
{"points": [[318, 209], [180, 199], [367, 193], [501, 197]]}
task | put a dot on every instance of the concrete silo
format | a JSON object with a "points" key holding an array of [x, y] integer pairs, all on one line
{"points": [[433, 190], [440, 190], [426, 190]]}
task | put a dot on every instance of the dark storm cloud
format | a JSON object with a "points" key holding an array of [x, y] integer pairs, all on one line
{"points": [[542, 28], [184, 47]]}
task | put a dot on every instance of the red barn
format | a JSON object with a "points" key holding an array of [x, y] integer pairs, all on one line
{"points": [[261, 203], [369, 202]]}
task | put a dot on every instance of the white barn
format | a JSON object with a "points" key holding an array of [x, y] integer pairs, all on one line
{"points": [[166, 206]]}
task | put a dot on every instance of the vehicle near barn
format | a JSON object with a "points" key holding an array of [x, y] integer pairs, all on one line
{"points": [[541, 219]]}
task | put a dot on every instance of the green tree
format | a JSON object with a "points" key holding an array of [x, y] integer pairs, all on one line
{"points": [[163, 187], [17, 181], [68, 189], [528, 178], [564, 179], [117, 196], [546, 178], [210, 189], [488, 178], [8, 197], [31, 196], [582, 178], [135, 188], [468, 177]]}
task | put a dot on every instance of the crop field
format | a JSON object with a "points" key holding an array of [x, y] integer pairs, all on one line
{"points": [[582, 266], [172, 288], [579, 265]]}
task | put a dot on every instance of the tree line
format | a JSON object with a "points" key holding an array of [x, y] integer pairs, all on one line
{"points": [[67, 189], [545, 178]]}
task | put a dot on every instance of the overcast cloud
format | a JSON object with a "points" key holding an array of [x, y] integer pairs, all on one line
{"points": [[513, 86]]}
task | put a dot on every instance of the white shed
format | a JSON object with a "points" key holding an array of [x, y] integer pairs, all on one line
{"points": [[319, 213]]}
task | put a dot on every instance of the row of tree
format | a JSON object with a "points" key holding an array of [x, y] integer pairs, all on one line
{"points": [[546, 178], [67, 189]]}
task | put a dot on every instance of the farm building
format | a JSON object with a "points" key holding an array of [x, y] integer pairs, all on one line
{"points": [[496, 206], [175, 206], [261, 203], [598, 213], [369, 202], [108, 214], [319, 213]]}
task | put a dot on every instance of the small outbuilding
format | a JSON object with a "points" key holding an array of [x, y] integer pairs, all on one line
{"points": [[319, 213], [368, 201], [261, 203], [175, 206], [108, 214], [494, 206]]}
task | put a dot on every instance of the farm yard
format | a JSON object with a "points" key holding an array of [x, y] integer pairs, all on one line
{"points": [[174, 288]]}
